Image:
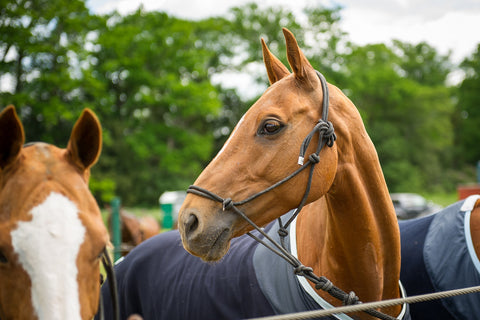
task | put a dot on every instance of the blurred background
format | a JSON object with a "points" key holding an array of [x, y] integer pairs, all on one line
{"points": [[169, 80]]}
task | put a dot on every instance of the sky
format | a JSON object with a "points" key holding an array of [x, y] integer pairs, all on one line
{"points": [[447, 25]]}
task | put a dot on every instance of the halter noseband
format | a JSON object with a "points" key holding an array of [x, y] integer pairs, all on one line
{"points": [[326, 136]]}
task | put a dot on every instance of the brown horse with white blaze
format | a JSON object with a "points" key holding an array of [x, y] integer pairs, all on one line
{"points": [[347, 230], [52, 234]]}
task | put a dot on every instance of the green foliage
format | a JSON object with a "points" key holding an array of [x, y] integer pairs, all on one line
{"points": [[422, 63], [103, 189], [148, 76], [467, 135], [406, 110], [158, 94], [41, 42]]}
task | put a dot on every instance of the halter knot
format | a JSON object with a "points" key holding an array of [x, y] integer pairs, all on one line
{"points": [[325, 284], [350, 299], [227, 204], [314, 158], [282, 232], [301, 270], [326, 133]]}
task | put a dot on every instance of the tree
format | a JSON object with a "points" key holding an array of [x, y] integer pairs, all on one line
{"points": [[41, 45], [316, 29], [157, 103], [422, 63], [153, 81], [407, 117], [328, 43], [467, 120]]}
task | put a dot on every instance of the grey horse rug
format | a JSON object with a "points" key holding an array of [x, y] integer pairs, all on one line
{"points": [[438, 255]]}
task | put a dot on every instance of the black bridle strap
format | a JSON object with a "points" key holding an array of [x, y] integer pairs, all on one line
{"points": [[326, 137], [323, 127], [207, 194], [112, 282]]}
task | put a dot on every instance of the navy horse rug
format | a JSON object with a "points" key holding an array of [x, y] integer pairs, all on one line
{"points": [[438, 255], [160, 280]]}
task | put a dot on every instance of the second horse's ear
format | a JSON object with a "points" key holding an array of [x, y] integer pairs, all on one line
{"points": [[12, 136], [275, 68], [85, 144]]}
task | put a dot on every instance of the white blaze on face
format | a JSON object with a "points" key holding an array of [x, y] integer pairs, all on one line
{"points": [[229, 139], [47, 247]]}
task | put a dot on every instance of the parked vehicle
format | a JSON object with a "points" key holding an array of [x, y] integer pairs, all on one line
{"points": [[412, 205]]}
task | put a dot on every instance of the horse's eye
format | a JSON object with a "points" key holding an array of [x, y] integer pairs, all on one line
{"points": [[3, 259], [270, 126]]}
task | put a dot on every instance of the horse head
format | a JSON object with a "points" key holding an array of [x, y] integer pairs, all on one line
{"points": [[261, 151], [51, 231]]}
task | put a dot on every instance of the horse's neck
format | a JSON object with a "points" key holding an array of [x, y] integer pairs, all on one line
{"points": [[351, 235]]}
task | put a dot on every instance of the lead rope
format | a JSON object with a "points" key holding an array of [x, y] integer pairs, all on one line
{"points": [[326, 137], [321, 283], [377, 304]]}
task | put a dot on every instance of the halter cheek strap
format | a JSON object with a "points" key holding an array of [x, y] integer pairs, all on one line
{"points": [[108, 265], [323, 127]]}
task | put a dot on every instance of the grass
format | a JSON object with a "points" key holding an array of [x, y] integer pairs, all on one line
{"points": [[443, 199]]}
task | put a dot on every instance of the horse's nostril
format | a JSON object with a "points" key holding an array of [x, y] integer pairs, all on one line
{"points": [[191, 224]]}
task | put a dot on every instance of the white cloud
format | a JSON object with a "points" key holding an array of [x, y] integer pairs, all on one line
{"points": [[451, 30]]}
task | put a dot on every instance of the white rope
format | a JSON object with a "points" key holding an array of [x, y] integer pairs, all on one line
{"points": [[373, 305]]}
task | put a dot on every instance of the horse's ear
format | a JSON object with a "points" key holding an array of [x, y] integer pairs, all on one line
{"points": [[85, 142], [303, 70], [12, 136], [275, 68]]}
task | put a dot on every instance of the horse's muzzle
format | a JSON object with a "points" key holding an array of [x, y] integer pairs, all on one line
{"points": [[207, 237]]}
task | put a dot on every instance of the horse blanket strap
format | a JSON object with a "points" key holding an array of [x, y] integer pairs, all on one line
{"points": [[438, 255], [287, 292]]}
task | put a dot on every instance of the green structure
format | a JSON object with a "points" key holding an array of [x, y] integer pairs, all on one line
{"points": [[170, 203], [116, 231]]}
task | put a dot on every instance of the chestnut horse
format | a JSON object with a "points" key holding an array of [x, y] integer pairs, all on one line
{"points": [[135, 230], [347, 231], [52, 236]]}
